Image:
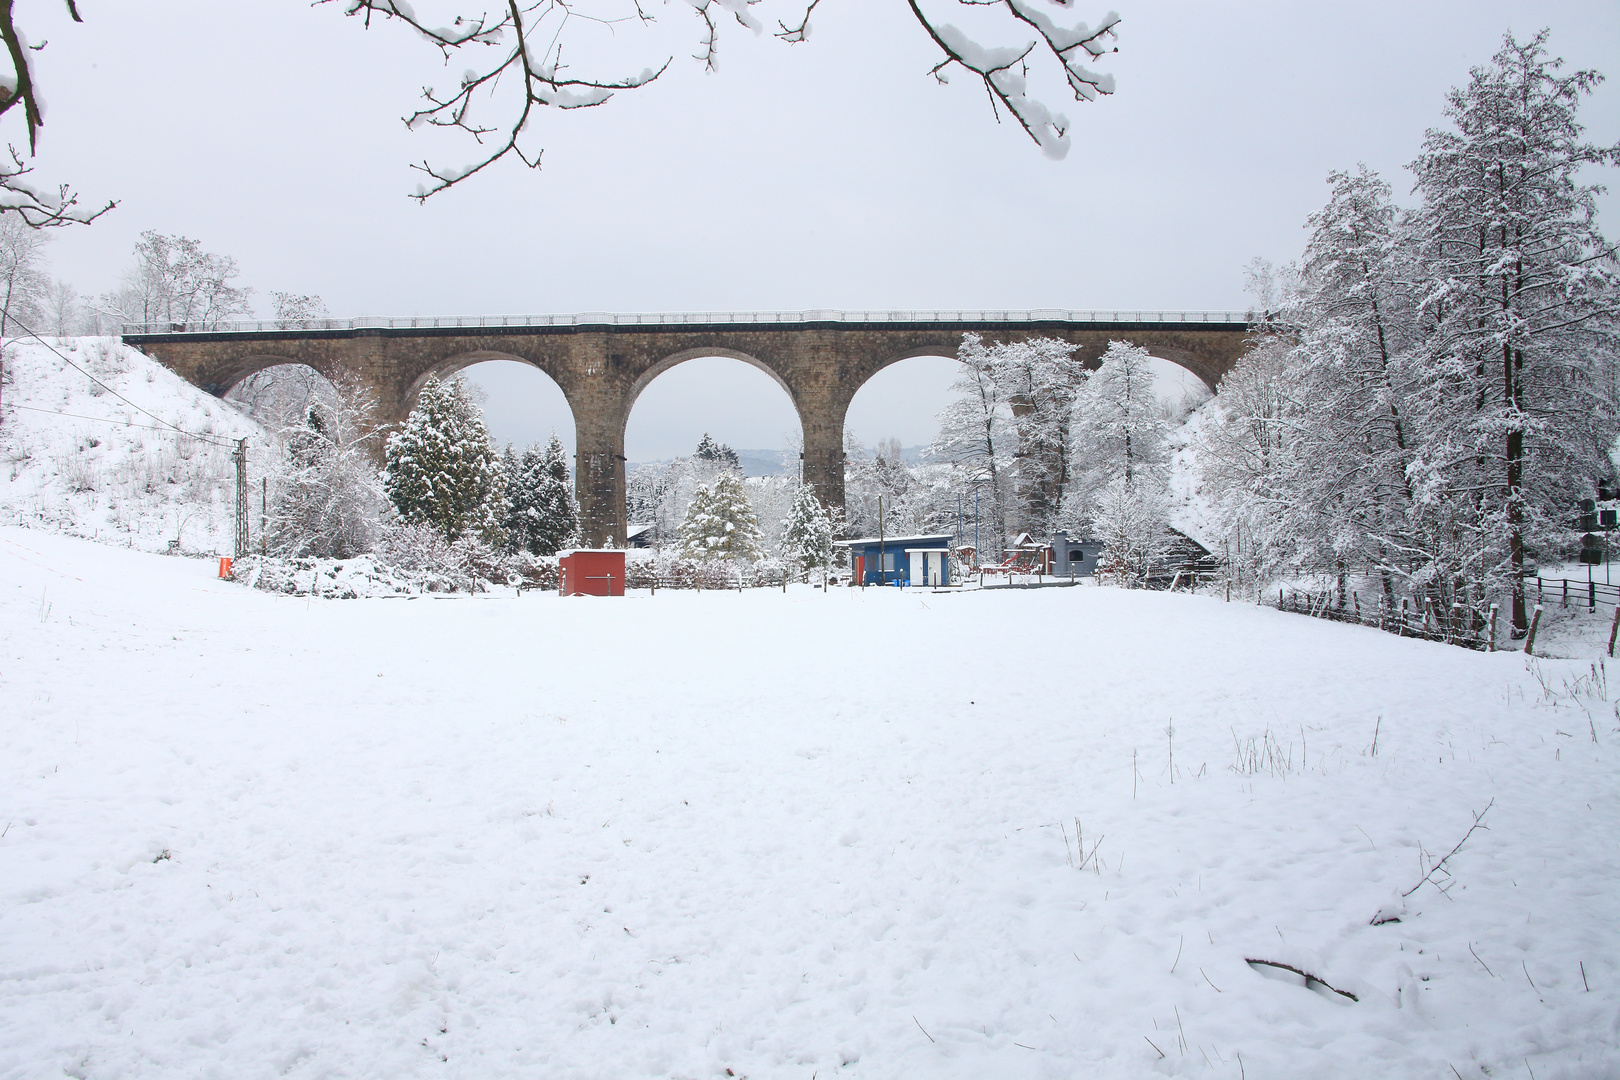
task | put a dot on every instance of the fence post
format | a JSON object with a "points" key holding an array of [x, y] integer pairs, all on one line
{"points": [[1566, 592], [1591, 596], [1613, 628], [1492, 646], [1530, 640], [1402, 631]]}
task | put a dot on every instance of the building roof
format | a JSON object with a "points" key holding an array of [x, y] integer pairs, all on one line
{"points": [[895, 541]]}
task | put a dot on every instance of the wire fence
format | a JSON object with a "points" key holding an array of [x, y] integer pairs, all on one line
{"points": [[1460, 624], [1234, 319]]}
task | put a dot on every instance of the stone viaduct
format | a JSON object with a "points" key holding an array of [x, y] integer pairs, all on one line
{"points": [[603, 362]]}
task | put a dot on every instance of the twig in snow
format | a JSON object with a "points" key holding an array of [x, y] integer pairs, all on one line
{"points": [[1376, 726], [1207, 979], [1531, 1071], [1482, 963], [1181, 1031], [920, 1028], [1179, 944], [1454, 1071], [1479, 823], [1155, 1045], [1583, 977], [1531, 981], [1243, 1073]]}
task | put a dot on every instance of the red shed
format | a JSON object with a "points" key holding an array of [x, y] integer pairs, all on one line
{"points": [[589, 572]]}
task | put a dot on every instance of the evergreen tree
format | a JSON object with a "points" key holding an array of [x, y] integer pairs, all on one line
{"points": [[720, 522], [541, 516], [807, 532], [718, 453], [441, 469]]}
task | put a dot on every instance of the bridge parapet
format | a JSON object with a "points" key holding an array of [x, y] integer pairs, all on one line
{"points": [[1228, 319]]}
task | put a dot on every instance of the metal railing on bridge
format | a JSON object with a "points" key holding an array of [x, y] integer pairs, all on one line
{"points": [[1235, 319]]}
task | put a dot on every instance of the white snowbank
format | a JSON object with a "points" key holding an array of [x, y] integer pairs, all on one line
{"points": [[814, 834]]}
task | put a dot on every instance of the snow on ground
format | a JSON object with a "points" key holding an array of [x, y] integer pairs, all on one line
{"points": [[88, 446], [863, 834]]}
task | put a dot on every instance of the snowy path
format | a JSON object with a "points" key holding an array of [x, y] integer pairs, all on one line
{"points": [[789, 836]]}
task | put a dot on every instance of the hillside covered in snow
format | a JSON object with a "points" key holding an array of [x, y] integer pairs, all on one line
{"points": [[99, 440]]}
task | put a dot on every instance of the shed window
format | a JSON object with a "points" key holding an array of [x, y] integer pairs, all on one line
{"points": [[1077, 556]]}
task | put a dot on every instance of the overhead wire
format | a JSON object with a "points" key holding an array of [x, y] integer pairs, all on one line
{"points": [[64, 358]]}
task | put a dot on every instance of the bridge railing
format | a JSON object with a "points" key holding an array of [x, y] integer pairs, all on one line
{"points": [[698, 318]]}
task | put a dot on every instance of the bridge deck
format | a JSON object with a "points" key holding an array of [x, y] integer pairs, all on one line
{"points": [[1096, 320]]}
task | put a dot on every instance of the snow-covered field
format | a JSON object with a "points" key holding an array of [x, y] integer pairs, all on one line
{"points": [[865, 834]]}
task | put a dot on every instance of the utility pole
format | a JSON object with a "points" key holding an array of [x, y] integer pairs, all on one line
{"points": [[881, 579], [240, 457]]}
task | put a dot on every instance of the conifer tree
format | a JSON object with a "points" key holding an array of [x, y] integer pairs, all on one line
{"points": [[718, 453], [807, 532], [541, 517], [441, 469], [720, 522]]}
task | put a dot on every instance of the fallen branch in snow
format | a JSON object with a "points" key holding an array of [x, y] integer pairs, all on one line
{"points": [[1479, 823], [1311, 981]]}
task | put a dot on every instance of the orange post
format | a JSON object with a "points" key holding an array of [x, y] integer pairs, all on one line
{"points": [[224, 566]]}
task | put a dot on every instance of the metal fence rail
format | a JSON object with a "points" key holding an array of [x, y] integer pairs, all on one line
{"points": [[1562, 591], [1236, 319]]}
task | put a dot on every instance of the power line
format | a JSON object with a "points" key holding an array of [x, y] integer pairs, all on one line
{"points": [[114, 423], [63, 357]]}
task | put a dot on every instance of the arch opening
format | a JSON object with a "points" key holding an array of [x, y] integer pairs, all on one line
{"points": [[735, 403], [279, 392], [522, 405], [891, 422]]}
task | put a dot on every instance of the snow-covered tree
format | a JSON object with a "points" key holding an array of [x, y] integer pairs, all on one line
{"points": [[295, 312], [24, 286], [717, 453], [1246, 455], [1119, 427], [1523, 296], [174, 282], [1129, 518], [720, 522], [807, 532], [541, 515], [976, 439], [328, 493], [1040, 381], [441, 469]]}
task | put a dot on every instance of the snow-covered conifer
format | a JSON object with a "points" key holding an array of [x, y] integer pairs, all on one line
{"points": [[807, 532], [441, 469], [720, 522], [708, 449], [541, 515]]}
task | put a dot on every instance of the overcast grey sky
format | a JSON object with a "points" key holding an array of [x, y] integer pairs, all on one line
{"points": [[831, 174]]}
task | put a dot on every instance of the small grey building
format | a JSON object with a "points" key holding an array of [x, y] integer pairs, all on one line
{"points": [[1076, 557]]}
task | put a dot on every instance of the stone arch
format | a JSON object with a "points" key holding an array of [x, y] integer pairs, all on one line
{"points": [[669, 362], [228, 377], [449, 366]]}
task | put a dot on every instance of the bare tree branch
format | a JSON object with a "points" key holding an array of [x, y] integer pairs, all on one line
{"points": [[37, 206], [528, 38]]}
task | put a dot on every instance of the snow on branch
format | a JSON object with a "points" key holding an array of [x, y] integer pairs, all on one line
{"points": [[39, 207], [523, 43], [1005, 70]]}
